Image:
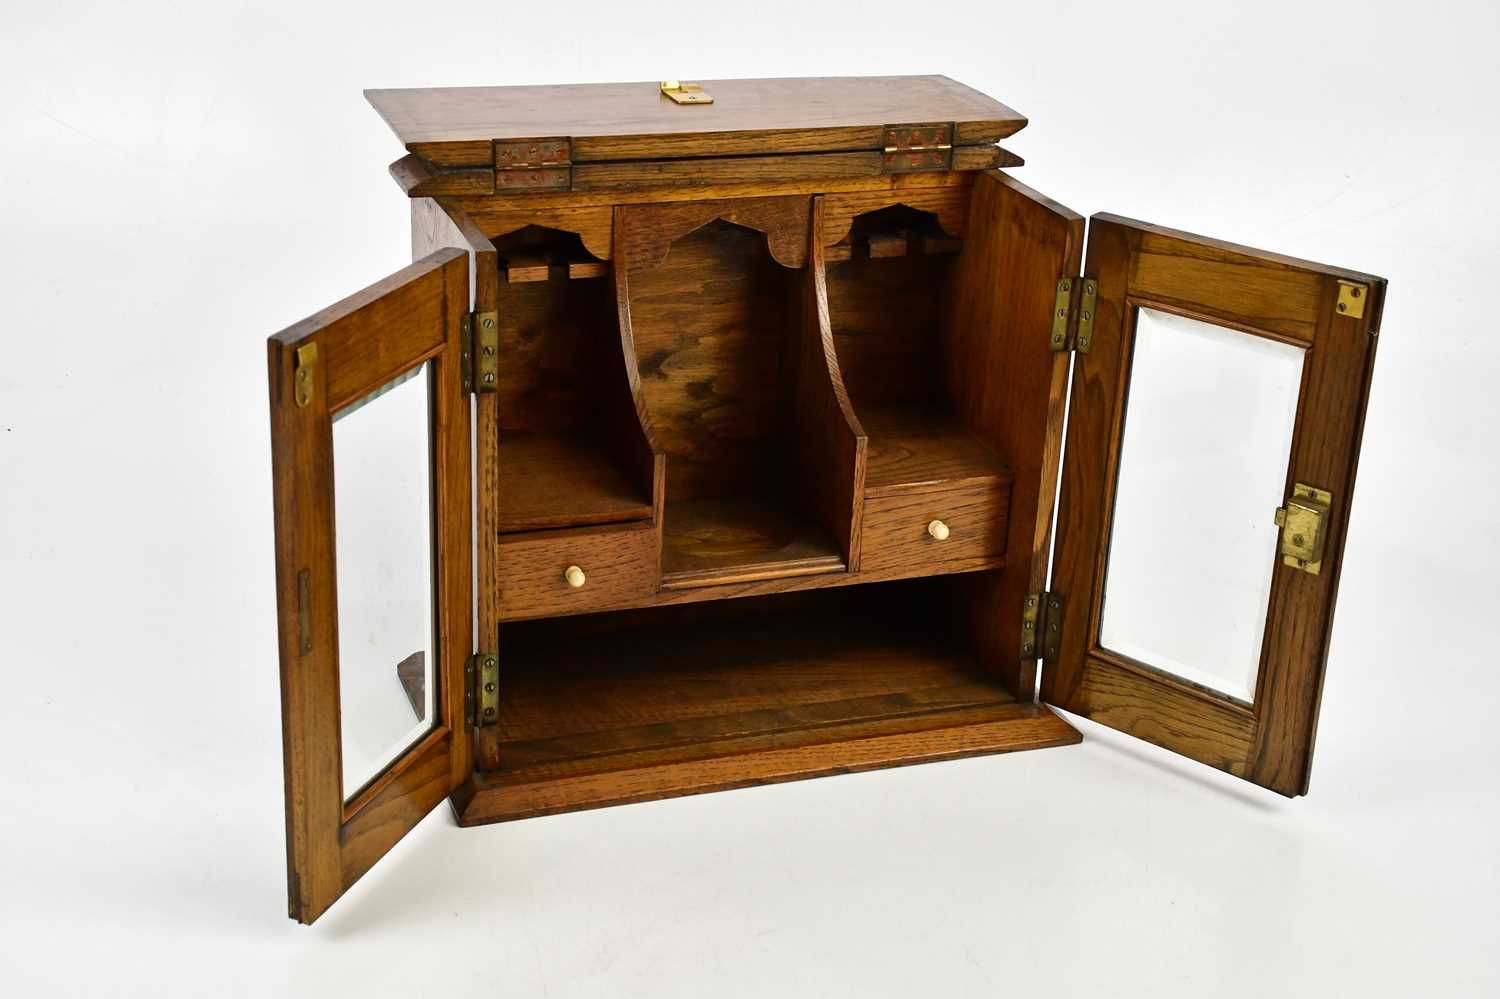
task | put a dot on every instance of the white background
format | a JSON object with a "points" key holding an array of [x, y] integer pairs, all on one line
{"points": [[180, 180]]}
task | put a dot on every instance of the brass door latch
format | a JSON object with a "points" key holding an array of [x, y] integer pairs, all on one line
{"points": [[685, 93], [1304, 527]]}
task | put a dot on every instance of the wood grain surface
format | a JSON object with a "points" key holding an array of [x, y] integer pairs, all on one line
{"points": [[634, 121]]}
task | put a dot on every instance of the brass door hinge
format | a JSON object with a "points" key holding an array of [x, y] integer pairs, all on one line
{"points": [[533, 165], [1073, 314], [917, 148], [1304, 527], [685, 93], [1041, 626], [482, 689], [480, 357]]}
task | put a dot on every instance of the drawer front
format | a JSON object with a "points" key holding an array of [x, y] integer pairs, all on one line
{"points": [[896, 528], [618, 566]]}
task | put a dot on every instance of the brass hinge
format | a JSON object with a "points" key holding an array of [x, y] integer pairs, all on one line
{"points": [[482, 689], [480, 357], [1073, 314], [1041, 626], [685, 93], [914, 148], [533, 165]]}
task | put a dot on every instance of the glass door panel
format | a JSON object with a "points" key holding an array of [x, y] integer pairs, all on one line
{"points": [[383, 546], [1203, 460]]}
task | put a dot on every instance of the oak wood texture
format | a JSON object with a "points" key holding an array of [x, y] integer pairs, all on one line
{"points": [[913, 449], [948, 205], [619, 565], [832, 448], [709, 541], [593, 224], [363, 342], [1005, 385], [654, 704], [437, 224], [565, 480], [886, 310], [895, 526], [479, 206], [455, 126], [419, 179], [711, 323], [1269, 742]]}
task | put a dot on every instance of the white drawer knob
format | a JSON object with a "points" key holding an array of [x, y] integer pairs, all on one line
{"points": [[574, 576], [938, 530]]}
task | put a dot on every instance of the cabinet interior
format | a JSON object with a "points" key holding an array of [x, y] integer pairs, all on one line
{"points": [[562, 462], [889, 285], [808, 413], [617, 690], [715, 328]]}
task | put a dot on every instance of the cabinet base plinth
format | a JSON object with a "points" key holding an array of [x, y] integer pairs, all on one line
{"points": [[496, 797]]}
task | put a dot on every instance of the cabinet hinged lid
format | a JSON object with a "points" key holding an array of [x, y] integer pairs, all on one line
{"points": [[599, 122]]}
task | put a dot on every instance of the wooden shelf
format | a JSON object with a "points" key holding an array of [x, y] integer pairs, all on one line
{"points": [[722, 695], [733, 540], [914, 448], [563, 480]]}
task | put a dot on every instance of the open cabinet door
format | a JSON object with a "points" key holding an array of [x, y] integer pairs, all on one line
{"points": [[370, 461], [1214, 426]]}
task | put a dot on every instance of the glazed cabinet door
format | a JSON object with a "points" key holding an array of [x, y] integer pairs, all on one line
{"points": [[371, 469], [1214, 426]]}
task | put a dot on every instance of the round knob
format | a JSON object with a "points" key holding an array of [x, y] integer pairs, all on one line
{"points": [[574, 576], [938, 530]]}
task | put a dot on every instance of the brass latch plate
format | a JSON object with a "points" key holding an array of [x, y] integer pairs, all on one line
{"points": [[482, 689], [913, 148], [1352, 298], [481, 350], [685, 93], [305, 367], [533, 164], [1304, 527]]}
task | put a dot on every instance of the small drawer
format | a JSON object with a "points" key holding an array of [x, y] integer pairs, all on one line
{"points": [[615, 566], [945, 529]]}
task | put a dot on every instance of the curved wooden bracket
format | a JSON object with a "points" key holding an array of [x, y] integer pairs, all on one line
{"points": [[594, 224], [651, 229], [949, 204]]}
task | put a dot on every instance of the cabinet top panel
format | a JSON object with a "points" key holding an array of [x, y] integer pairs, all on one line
{"points": [[622, 121]]}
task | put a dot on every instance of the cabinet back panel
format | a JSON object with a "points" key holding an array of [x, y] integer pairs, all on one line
{"points": [[552, 350], [885, 315], [711, 326]]}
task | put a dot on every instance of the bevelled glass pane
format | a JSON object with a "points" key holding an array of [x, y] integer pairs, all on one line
{"points": [[1203, 465], [383, 544]]}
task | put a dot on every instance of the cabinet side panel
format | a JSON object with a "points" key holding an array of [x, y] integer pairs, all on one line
{"points": [[434, 225], [1010, 388]]}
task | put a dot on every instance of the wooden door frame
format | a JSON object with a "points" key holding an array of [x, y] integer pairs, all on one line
{"points": [[1294, 301], [363, 343]]}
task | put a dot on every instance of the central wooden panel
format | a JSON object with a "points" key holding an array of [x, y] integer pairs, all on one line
{"points": [[711, 325]]}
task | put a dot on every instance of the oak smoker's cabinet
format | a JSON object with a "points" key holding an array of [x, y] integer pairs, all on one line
{"points": [[713, 439]]}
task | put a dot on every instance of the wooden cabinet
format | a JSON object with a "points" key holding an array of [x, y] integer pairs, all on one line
{"points": [[744, 430]]}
